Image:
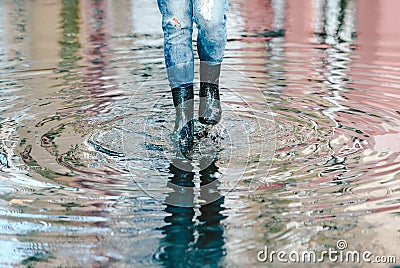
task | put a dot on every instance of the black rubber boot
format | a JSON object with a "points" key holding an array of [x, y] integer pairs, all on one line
{"points": [[184, 126], [210, 107]]}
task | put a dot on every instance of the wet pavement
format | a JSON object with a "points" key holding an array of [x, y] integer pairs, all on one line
{"points": [[311, 120]]}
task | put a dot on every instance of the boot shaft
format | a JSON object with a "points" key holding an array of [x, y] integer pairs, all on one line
{"points": [[182, 95], [209, 73]]}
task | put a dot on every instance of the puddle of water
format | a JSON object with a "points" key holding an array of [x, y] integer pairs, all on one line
{"points": [[89, 178]]}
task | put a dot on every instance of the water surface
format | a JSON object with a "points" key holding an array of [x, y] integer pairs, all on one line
{"points": [[311, 117]]}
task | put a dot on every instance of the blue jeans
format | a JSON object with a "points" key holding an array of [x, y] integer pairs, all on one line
{"points": [[177, 23]]}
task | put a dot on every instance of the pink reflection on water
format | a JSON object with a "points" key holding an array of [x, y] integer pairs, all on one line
{"points": [[378, 31], [299, 21], [376, 72], [258, 15]]}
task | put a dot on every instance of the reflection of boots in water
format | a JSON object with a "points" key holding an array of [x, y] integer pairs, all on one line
{"points": [[184, 127], [210, 243], [209, 180], [210, 107], [182, 184], [179, 225], [188, 242]]}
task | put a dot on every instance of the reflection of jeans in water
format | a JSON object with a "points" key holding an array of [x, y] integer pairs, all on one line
{"points": [[177, 22]]}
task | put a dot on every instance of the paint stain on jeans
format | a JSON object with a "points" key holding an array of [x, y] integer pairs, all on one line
{"points": [[176, 22]]}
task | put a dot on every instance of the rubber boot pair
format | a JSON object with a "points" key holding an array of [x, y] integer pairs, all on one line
{"points": [[209, 109]]}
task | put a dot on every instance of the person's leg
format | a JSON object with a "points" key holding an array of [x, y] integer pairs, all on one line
{"points": [[210, 17], [177, 24]]}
